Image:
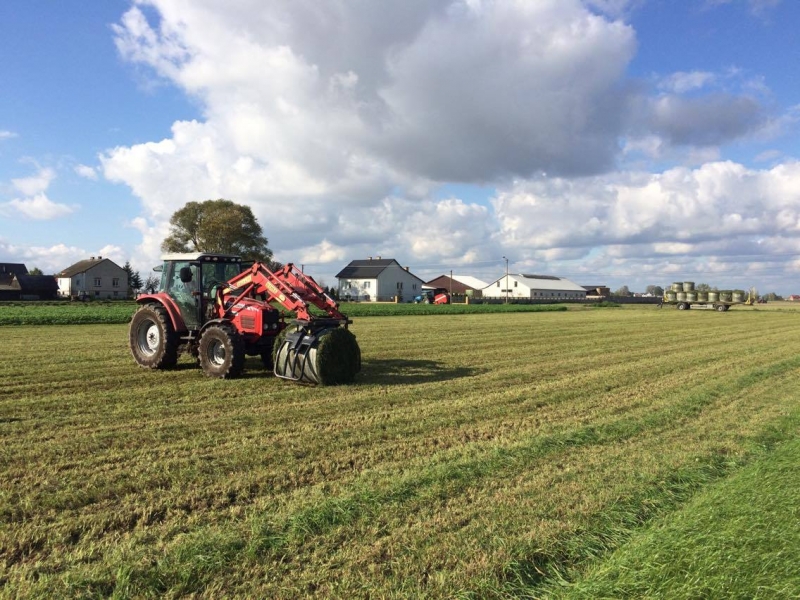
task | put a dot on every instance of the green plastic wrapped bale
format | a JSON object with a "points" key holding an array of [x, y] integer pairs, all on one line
{"points": [[691, 296], [713, 296], [670, 296], [702, 296], [688, 286], [677, 286], [335, 357]]}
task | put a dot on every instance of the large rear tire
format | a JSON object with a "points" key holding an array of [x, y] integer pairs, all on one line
{"points": [[222, 352], [152, 339]]}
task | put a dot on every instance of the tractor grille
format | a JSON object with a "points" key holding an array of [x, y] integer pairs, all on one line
{"points": [[248, 323]]}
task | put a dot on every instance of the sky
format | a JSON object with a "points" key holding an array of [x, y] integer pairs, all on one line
{"points": [[611, 142]]}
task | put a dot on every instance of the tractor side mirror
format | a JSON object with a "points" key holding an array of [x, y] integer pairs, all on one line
{"points": [[185, 274]]}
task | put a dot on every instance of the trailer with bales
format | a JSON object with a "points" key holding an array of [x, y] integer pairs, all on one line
{"points": [[683, 296]]}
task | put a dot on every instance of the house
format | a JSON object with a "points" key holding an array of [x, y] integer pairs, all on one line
{"points": [[534, 287], [8, 289], [458, 284], [377, 280], [16, 284], [794, 298], [94, 278]]}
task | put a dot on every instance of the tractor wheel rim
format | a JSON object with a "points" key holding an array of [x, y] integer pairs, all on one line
{"points": [[216, 353], [149, 338]]}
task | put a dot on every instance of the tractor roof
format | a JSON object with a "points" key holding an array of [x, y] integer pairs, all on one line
{"points": [[211, 256]]}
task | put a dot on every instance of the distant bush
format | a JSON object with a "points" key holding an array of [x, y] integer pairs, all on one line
{"points": [[606, 304]]}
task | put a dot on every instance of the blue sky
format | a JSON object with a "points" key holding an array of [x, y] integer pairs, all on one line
{"points": [[608, 141]]}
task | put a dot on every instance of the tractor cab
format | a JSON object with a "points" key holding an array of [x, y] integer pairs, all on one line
{"points": [[191, 280]]}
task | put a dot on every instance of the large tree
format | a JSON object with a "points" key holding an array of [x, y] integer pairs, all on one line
{"points": [[217, 226]]}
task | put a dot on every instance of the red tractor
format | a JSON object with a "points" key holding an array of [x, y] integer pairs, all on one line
{"points": [[220, 310], [433, 296]]}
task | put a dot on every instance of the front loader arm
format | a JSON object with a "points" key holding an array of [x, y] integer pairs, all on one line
{"points": [[289, 287]]}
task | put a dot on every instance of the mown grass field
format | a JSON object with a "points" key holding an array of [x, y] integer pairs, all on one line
{"points": [[481, 455]]}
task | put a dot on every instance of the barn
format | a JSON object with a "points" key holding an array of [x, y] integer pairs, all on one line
{"points": [[534, 287]]}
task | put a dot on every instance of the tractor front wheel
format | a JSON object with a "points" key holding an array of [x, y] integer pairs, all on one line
{"points": [[222, 352], [152, 338]]}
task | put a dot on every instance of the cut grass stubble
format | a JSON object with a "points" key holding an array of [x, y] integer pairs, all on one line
{"points": [[492, 455]]}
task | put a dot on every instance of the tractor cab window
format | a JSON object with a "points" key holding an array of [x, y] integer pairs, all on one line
{"points": [[180, 290], [215, 274]]}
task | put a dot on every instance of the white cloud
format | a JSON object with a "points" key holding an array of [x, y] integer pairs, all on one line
{"points": [[86, 171], [5, 134], [683, 82], [36, 184], [39, 207], [35, 205]]}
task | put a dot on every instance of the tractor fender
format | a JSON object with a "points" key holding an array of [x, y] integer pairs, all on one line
{"points": [[211, 322], [169, 305]]}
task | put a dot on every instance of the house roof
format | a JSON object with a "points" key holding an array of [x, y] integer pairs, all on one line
{"points": [[7, 272], [543, 282], [366, 269], [84, 265], [13, 268]]}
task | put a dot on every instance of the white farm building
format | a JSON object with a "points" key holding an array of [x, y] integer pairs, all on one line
{"points": [[534, 287]]}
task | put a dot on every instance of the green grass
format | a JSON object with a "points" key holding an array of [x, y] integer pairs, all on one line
{"points": [[737, 539], [482, 455], [68, 313]]}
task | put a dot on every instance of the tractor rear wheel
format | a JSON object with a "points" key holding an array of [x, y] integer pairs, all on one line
{"points": [[152, 338], [222, 352]]}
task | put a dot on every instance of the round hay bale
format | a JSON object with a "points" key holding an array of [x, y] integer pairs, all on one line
{"points": [[691, 296], [671, 296], [713, 296], [681, 296], [725, 295], [677, 286], [737, 296], [334, 359], [688, 286], [702, 296]]}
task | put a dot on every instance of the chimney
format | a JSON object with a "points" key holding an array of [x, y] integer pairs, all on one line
{"points": [[370, 258], [379, 258], [99, 257], [406, 268], [91, 258]]}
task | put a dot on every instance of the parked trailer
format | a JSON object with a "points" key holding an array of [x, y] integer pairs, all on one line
{"points": [[683, 296]]}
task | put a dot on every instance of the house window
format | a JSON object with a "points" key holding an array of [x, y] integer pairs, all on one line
{"points": [[115, 293], [399, 285], [366, 284], [515, 284], [414, 286], [115, 283], [498, 284], [96, 282]]}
